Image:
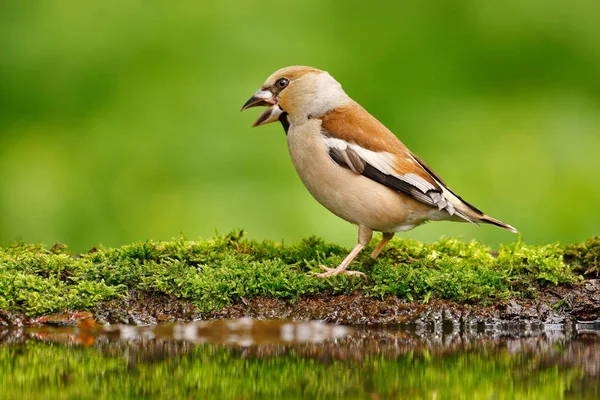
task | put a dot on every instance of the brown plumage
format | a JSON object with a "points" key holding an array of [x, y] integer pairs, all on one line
{"points": [[352, 123], [352, 164]]}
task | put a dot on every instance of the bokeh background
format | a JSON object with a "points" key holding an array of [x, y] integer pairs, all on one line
{"points": [[119, 120]]}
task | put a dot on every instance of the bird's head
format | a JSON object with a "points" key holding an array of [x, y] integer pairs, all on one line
{"points": [[299, 92]]}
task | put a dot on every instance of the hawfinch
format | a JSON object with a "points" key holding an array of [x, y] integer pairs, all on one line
{"points": [[352, 164]]}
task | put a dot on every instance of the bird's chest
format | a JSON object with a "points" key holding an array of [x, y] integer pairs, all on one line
{"points": [[310, 155], [329, 183]]}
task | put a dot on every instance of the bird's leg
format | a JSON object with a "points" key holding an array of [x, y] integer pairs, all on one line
{"points": [[364, 237], [387, 236], [341, 269]]}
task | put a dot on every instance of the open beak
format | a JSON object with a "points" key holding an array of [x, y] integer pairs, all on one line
{"points": [[264, 98]]}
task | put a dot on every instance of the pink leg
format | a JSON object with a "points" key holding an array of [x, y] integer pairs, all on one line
{"points": [[364, 237], [387, 236], [342, 267]]}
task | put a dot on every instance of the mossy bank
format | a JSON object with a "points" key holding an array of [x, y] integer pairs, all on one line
{"points": [[229, 276]]}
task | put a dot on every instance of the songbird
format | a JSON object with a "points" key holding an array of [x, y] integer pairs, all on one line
{"points": [[352, 164]]}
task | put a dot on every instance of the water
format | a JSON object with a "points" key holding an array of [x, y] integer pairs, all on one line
{"points": [[249, 359]]}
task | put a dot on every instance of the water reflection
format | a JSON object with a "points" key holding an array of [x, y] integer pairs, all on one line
{"points": [[534, 360], [239, 332]]}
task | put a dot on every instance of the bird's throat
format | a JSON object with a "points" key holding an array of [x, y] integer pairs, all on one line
{"points": [[283, 118]]}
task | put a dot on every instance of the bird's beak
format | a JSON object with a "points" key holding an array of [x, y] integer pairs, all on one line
{"points": [[264, 98]]}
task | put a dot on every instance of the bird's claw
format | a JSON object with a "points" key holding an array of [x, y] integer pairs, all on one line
{"points": [[335, 271]]}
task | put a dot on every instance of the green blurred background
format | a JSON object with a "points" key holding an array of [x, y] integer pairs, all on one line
{"points": [[119, 121]]}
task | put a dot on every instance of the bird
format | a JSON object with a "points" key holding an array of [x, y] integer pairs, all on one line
{"points": [[353, 165]]}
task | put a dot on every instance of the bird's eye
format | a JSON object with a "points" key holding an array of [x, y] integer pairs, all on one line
{"points": [[282, 82]]}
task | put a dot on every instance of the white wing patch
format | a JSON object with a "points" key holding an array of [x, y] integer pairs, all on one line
{"points": [[383, 161], [361, 161]]}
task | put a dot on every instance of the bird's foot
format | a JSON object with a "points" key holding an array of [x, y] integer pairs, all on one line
{"points": [[336, 271]]}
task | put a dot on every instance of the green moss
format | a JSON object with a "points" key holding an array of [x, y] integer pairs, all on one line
{"points": [[221, 270], [585, 257]]}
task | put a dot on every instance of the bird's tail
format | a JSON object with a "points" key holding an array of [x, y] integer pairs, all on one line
{"points": [[471, 214], [489, 220]]}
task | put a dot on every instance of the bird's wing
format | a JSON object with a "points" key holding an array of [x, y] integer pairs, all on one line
{"points": [[359, 142]]}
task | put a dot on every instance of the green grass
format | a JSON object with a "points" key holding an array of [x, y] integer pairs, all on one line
{"points": [[216, 272]]}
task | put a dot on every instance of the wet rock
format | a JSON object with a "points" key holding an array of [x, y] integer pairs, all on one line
{"points": [[586, 305], [513, 310], [12, 318], [550, 316]]}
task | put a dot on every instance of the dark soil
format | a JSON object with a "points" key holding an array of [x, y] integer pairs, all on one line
{"points": [[558, 305]]}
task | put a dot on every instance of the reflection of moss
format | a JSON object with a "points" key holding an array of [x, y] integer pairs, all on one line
{"points": [[39, 370], [216, 272]]}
